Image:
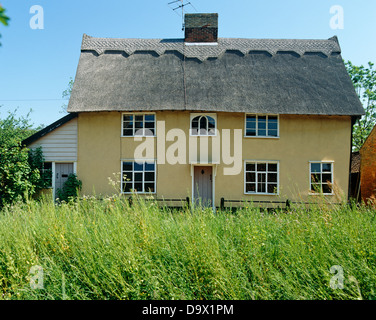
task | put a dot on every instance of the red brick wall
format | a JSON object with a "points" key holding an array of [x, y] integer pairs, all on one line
{"points": [[368, 168], [201, 35]]}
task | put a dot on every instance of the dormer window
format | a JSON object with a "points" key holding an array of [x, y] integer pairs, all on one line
{"points": [[203, 124]]}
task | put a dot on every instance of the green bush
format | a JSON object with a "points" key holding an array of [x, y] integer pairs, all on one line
{"points": [[70, 190]]}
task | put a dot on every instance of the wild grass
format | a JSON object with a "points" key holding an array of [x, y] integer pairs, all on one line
{"points": [[110, 250]]}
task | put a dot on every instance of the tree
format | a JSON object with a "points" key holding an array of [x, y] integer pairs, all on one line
{"points": [[364, 80], [3, 18], [66, 94], [18, 178]]}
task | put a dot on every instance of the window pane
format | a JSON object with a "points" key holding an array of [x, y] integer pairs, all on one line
{"points": [[149, 132], [128, 117], [138, 187], [139, 124], [315, 178], [47, 166], [138, 166], [272, 122], [211, 123], [272, 167], [138, 176], [127, 166], [262, 133], [139, 132], [272, 188], [149, 176], [315, 167], [203, 123], [251, 132], [261, 167], [251, 118], [149, 166], [250, 167], [327, 178], [128, 132], [250, 177], [149, 187], [262, 122], [149, 125], [315, 187], [149, 117], [326, 188], [250, 187], [261, 177], [326, 167], [272, 177], [272, 133], [127, 176], [261, 187], [195, 123], [127, 187], [251, 128]]}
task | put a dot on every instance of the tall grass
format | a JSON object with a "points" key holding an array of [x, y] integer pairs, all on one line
{"points": [[110, 250]]}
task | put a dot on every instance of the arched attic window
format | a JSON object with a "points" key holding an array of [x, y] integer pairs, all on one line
{"points": [[203, 125]]}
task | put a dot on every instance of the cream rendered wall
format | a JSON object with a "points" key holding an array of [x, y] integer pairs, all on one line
{"points": [[302, 139]]}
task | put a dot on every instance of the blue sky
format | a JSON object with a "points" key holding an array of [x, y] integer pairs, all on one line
{"points": [[36, 65]]}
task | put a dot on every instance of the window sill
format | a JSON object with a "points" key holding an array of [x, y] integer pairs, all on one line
{"points": [[321, 194], [141, 193], [138, 136], [260, 137], [261, 194]]}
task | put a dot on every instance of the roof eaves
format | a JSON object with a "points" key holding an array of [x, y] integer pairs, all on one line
{"points": [[36, 136]]}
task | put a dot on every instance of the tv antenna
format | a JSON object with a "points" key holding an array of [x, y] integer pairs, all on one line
{"points": [[180, 4]]}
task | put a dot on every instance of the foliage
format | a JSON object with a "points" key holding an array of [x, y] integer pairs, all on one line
{"points": [[364, 80], [70, 189], [17, 178], [107, 249], [36, 162], [3, 18], [66, 94], [14, 129]]}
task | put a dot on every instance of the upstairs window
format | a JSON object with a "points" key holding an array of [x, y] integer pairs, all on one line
{"points": [[321, 177], [135, 125], [261, 126], [203, 125]]}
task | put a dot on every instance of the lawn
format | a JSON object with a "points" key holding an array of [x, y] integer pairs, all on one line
{"points": [[107, 249]]}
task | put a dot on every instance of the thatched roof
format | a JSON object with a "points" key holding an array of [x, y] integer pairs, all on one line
{"points": [[234, 75]]}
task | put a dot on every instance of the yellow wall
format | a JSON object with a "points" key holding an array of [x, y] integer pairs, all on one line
{"points": [[302, 139]]}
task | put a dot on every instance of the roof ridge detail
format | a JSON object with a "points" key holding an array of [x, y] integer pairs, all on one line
{"points": [[203, 52]]}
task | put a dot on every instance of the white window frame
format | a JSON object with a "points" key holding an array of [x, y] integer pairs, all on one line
{"points": [[261, 115], [194, 115], [310, 177], [143, 175], [263, 162], [138, 114]]}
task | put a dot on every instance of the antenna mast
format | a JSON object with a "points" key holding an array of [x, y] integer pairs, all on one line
{"points": [[175, 6]]}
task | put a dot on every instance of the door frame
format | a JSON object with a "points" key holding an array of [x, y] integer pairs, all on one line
{"points": [[214, 173], [54, 175]]}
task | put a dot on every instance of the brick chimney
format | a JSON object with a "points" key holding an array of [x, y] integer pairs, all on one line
{"points": [[201, 27]]}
